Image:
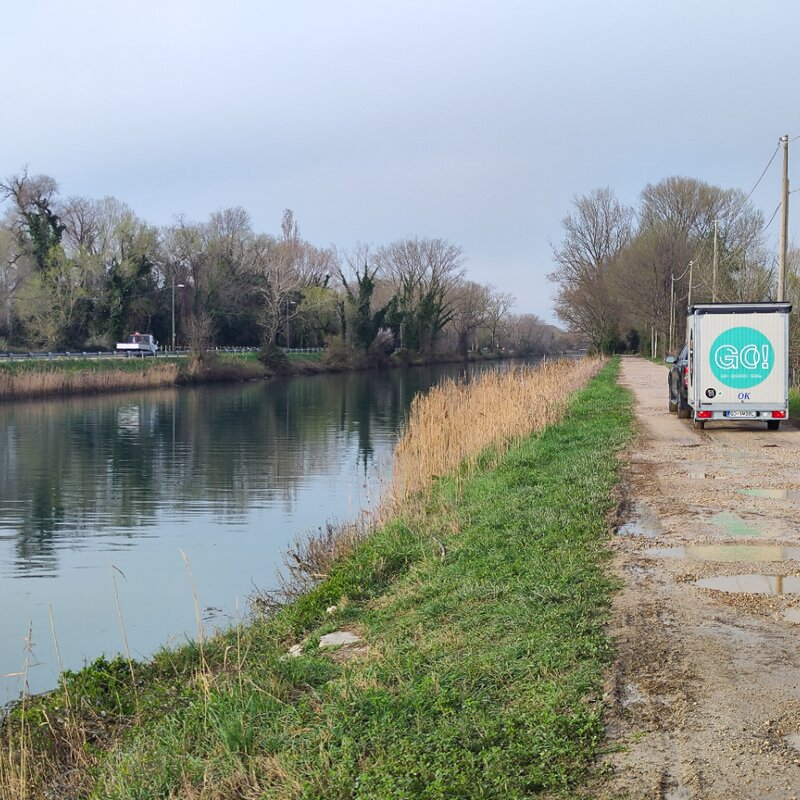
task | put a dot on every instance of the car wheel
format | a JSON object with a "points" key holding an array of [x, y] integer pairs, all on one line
{"points": [[699, 424], [773, 424], [673, 404], [683, 410]]}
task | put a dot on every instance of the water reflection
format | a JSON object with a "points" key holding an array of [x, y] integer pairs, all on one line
{"points": [[80, 468], [227, 474]]}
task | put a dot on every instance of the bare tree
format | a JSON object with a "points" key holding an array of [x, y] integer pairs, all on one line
{"points": [[422, 273], [34, 220], [15, 268], [470, 302], [497, 311], [527, 334], [277, 284], [81, 225], [594, 235]]}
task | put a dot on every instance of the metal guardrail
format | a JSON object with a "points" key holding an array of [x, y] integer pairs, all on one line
{"points": [[181, 351]]}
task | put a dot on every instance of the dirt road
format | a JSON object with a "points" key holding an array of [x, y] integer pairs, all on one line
{"points": [[706, 689]]}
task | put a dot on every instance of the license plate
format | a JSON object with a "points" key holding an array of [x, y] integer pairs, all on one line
{"points": [[740, 414]]}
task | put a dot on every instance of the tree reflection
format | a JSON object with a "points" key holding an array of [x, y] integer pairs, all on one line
{"points": [[80, 468]]}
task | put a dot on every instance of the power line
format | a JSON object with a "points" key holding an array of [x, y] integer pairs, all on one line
{"points": [[755, 186], [777, 208]]}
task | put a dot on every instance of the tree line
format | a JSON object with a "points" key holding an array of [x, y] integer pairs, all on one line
{"points": [[620, 269], [79, 272]]}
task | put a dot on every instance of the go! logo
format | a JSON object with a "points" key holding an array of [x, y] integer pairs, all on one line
{"points": [[742, 357]]}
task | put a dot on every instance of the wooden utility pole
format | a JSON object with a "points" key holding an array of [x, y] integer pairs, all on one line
{"points": [[671, 310], [716, 264], [689, 298], [784, 232]]}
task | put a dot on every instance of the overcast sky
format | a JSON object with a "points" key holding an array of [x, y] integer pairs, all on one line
{"points": [[476, 121]]}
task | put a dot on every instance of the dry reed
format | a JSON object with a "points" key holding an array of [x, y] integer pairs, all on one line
{"points": [[455, 422], [449, 426], [58, 382]]}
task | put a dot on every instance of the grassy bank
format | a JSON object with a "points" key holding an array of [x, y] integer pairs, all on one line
{"points": [[480, 605]]}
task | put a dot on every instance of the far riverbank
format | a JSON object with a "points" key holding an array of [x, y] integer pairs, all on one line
{"points": [[21, 380]]}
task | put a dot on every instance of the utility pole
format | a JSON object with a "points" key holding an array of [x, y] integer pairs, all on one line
{"points": [[716, 263], [689, 298], [784, 232], [671, 309]]}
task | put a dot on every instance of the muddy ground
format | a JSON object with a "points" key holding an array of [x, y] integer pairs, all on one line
{"points": [[705, 692]]}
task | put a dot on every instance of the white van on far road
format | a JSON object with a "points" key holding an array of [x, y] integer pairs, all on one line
{"points": [[139, 344]]}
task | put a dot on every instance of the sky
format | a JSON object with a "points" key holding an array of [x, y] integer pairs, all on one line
{"points": [[475, 121]]}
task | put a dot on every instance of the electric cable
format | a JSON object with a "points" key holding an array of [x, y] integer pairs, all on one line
{"points": [[777, 208]]}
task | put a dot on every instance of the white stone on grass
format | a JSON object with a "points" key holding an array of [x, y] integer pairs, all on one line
{"points": [[338, 638]]}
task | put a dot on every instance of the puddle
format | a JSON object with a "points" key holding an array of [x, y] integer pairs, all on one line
{"points": [[727, 553], [773, 494], [678, 793], [792, 615], [645, 522], [734, 525], [631, 695], [752, 584], [793, 740]]}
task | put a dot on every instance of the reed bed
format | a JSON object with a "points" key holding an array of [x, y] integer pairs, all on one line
{"points": [[43, 383], [455, 422]]}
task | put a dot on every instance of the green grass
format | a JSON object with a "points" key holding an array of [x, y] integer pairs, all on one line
{"points": [[794, 402], [305, 356], [85, 365], [484, 668]]}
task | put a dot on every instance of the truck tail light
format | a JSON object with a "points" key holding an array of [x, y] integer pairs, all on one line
{"points": [[778, 415], [703, 415]]}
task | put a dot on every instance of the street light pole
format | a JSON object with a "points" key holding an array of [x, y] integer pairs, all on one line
{"points": [[179, 286]]}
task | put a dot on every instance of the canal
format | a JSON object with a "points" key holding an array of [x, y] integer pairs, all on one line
{"points": [[114, 510]]}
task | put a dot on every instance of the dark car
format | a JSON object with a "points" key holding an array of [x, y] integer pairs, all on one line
{"points": [[678, 383]]}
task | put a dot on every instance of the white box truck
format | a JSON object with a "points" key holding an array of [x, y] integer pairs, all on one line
{"points": [[738, 367], [139, 344]]}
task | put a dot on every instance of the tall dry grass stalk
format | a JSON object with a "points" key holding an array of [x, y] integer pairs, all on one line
{"points": [[16, 754], [57, 382], [455, 422]]}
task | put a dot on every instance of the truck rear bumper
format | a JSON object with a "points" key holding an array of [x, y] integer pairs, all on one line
{"points": [[737, 413]]}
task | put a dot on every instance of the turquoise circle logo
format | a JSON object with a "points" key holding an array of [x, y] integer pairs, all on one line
{"points": [[742, 357]]}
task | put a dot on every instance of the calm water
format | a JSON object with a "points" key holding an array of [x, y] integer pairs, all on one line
{"points": [[109, 491]]}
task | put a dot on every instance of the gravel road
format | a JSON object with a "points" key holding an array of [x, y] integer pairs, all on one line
{"points": [[705, 693]]}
